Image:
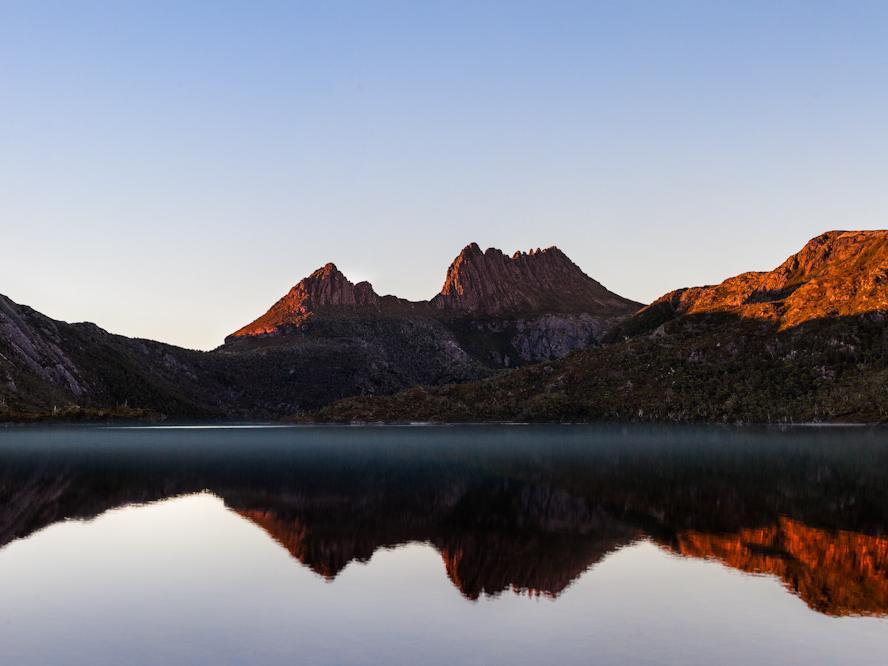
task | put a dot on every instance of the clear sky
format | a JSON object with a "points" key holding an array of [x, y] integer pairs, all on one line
{"points": [[169, 169]]}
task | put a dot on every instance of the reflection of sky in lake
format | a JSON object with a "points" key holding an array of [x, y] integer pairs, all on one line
{"points": [[188, 581]]}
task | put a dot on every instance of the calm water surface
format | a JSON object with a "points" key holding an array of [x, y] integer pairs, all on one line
{"points": [[458, 545]]}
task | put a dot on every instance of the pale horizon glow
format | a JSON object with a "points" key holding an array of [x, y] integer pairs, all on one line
{"points": [[169, 171]]}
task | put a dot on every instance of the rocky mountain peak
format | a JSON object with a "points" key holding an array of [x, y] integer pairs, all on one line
{"points": [[327, 272], [536, 281], [326, 288], [484, 283]]}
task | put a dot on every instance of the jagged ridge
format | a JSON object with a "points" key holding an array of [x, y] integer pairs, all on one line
{"points": [[538, 281], [477, 283]]}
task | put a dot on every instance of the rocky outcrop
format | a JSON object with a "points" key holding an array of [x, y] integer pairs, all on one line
{"points": [[535, 282], [505, 342], [554, 336]]}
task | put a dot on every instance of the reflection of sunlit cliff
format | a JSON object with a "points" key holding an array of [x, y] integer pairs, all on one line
{"points": [[527, 515], [476, 563], [834, 572], [525, 537]]}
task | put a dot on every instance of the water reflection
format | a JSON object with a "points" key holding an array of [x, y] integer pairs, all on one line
{"points": [[522, 509]]}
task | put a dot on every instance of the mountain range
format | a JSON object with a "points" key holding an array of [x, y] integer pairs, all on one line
{"points": [[326, 339], [522, 337]]}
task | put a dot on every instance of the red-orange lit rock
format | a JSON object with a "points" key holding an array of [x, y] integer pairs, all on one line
{"points": [[528, 284], [493, 283], [834, 572], [839, 273], [324, 289]]}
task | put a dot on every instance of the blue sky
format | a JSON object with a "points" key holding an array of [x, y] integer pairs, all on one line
{"points": [[169, 169]]}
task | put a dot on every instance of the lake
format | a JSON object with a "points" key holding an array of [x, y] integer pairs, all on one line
{"points": [[443, 545]]}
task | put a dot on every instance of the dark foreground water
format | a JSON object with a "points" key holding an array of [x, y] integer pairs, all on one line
{"points": [[461, 545]]}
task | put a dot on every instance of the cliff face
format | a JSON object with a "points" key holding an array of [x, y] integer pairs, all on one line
{"points": [[536, 282]]}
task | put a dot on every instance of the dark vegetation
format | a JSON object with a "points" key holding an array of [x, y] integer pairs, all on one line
{"points": [[712, 367], [77, 414]]}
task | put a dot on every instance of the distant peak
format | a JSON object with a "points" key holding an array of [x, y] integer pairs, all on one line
{"points": [[539, 280], [488, 282], [325, 289]]}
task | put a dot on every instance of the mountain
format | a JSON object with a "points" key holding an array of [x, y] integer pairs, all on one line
{"points": [[326, 339], [536, 282], [477, 284], [326, 291], [45, 363], [501, 311], [805, 342]]}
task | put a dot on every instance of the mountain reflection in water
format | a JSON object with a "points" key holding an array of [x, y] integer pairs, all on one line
{"points": [[522, 509]]}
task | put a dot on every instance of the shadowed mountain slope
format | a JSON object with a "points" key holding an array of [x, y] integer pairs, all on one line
{"points": [[45, 363]]}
